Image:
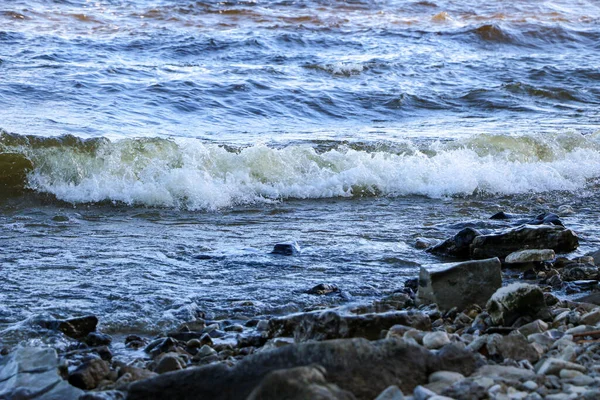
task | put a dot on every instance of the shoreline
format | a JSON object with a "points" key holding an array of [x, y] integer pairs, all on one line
{"points": [[529, 340]]}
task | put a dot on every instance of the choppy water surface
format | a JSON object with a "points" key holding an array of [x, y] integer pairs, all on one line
{"points": [[167, 145]]}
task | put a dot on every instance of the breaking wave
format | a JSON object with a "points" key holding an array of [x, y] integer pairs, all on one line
{"points": [[200, 175]]}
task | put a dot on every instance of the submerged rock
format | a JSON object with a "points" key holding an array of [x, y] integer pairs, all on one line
{"points": [[78, 328], [502, 244], [459, 284], [286, 249], [514, 301], [323, 288], [457, 246]]}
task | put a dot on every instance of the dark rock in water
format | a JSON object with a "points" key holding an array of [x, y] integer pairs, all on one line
{"points": [[459, 284], [543, 218], [286, 249], [502, 215], [457, 246], [514, 301], [77, 328], [359, 366], [547, 219], [162, 345], [29, 372], [134, 342], [323, 288], [596, 256], [579, 272], [323, 325], [298, 383], [412, 283], [89, 374], [502, 244], [96, 339]]}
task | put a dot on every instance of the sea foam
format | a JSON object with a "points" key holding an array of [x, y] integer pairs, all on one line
{"points": [[198, 175]]}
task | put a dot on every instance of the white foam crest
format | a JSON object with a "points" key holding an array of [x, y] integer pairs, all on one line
{"points": [[197, 175]]}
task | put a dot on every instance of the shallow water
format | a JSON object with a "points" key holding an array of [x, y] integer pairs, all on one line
{"points": [[199, 134]]}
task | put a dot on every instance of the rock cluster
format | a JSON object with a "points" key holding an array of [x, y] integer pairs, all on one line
{"points": [[465, 330]]}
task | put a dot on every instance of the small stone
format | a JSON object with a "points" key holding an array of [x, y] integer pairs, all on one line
{"points": [[391, 393], [206, 351], [194, 344], [552, 366], [169, 362], [95, 339], [448, 377], [422, 393], [89, 374], [234, 328], [397, 331], [569, 373], [537, 326], [262, 326], [206, 339], [435, 340], [530, 385]]}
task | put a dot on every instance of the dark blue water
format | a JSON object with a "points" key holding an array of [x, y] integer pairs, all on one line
{"points": [[153, 152]]}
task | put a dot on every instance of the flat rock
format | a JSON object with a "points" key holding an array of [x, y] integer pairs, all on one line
{"points": [[459, 284], [322, 325], [359, 366], [501, 244], [31, 373], [527, 256], [553, 366]]}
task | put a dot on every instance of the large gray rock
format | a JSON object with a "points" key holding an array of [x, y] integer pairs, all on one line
{"points": [[298, 383], [516, 300], [356, 365], [32, 373], [501, 244], [323, 325], [459, 284]]}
